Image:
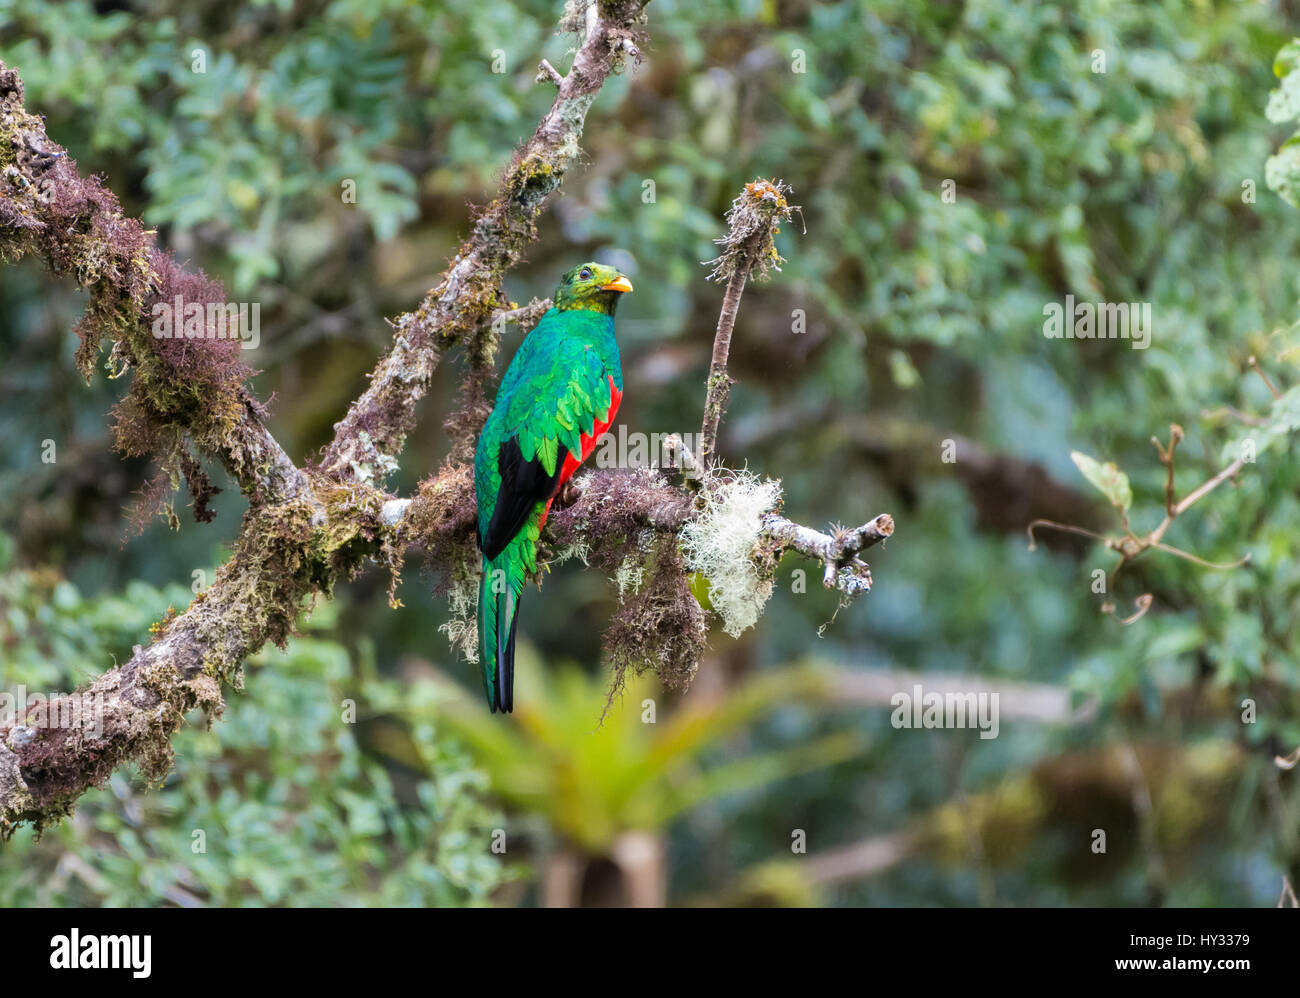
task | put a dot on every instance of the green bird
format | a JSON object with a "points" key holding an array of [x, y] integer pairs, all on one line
{"points": [[558, 396]]}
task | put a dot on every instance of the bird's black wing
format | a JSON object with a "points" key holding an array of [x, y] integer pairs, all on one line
{"points": [[523, 485]]}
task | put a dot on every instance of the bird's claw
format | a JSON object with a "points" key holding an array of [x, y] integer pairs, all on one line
{"points": [[569, 494]]}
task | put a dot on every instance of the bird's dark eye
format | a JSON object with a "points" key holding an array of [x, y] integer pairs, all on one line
{"points": [[585, 274]]}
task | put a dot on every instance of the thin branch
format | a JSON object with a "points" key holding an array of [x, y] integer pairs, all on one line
{"points": [[1067, 528], [719, 383], [837, 550], [1287, 761], [1141, 605], [1254, 364], [1130, 545], [1209, 486], [524, 315], [1216, 565], [545, 71], [753, 219], [1167, 459]]}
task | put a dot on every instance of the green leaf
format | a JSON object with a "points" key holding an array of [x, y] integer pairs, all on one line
{"points": [[1112, 482]]}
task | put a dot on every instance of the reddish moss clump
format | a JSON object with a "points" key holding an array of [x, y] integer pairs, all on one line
{"points": [[441, 522], [627, 521], [210, 363], [660, 626], [185, 388]]}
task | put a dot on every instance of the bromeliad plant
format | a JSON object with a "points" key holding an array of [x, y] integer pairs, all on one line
{"points": [[608, 795]]}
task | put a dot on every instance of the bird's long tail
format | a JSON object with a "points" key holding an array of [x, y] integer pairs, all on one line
{"points": [[498, 610]]}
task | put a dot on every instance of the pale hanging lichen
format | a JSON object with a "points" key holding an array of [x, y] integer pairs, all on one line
{"points": [[461, 626], [720, 544], [629, 577], [579, 549]]}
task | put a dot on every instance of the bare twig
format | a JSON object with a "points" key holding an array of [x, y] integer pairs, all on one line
{"points": [[748, 247], [1167, 459], [1218, 566], [1254, 364], [1065, 528], [1141, 605], [1130, 545], [1287, 761], [1209, 486]]}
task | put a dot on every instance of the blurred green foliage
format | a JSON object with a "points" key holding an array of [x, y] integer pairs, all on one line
{"points": [[1137, 176]]}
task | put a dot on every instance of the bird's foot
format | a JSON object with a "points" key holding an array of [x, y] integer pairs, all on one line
{"points": [[569, 494]]}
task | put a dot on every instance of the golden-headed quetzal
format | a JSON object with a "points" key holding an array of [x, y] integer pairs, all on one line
{"points": [[558, 396]]}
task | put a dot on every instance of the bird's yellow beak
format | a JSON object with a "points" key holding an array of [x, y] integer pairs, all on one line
{"points": [[619, 283]]}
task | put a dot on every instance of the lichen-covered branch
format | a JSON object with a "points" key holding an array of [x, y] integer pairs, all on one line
{"points": [[613, 503], [838, 550]]}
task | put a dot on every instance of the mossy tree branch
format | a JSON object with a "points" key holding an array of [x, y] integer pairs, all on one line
{"points": [[461, 307], [308, 526], [305, 527]]}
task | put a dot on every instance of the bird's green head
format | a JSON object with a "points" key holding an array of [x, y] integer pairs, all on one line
{"points": [[592, 286]]}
